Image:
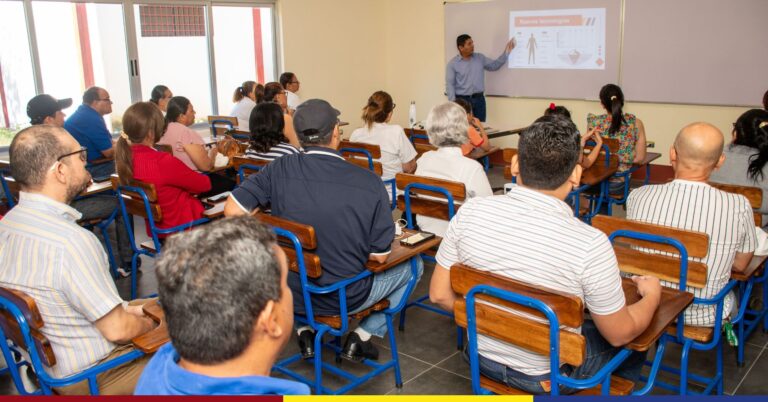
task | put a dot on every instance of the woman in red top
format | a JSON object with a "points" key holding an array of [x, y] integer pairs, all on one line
{"points": [[175, 183]]}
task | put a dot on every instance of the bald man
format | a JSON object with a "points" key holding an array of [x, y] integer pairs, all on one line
{"points": [[690, 203], [85, 319]]}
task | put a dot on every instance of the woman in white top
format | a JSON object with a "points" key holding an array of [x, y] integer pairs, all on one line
{"points": [[447, 128], [397, 153], [188, 146], [245, 99], [160, 96]]}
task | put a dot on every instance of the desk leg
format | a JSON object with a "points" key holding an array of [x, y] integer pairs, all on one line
{"points": [[647, 174]]}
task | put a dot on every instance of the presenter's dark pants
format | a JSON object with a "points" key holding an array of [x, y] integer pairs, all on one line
{"points": [[478, 104]]}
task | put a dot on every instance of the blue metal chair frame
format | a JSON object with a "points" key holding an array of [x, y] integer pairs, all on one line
{"points": [[409, 219], [603, 376], [595, 202], [752, 318], [713, 383], [12, 358], [102, 226], [154, 230], [246, 166], [216, 122], [10, 202], [308, 289], [390, 182]]}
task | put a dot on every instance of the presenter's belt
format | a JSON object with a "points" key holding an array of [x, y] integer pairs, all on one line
{"points": [[474, 95]]}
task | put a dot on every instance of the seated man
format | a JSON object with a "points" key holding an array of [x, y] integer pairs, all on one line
{"points": [[45, 109], [89, 129], [242, 318], [45, 254], [531, 235], [349, 210], [690, 203]]}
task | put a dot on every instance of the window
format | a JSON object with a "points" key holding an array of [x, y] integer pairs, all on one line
{"points": [[172, 20], [244, 49], [17, 82]]}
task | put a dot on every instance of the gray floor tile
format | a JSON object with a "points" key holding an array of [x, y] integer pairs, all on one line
{"points": [[754, 382], [436, 382]]}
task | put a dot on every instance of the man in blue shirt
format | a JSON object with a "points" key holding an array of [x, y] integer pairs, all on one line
{"points": [[229, 313], [348, 207], [465, 75], [89, 129]]}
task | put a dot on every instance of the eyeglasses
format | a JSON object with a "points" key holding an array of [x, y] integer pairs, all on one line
{"points": [[394, 105], [105, 100], [294, 82], [83, 152]]}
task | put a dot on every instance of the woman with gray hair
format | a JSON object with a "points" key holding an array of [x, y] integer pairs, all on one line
{"points": [[447, 128]]}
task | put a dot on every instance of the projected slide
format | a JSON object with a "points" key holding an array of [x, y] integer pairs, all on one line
{"points": [[558, 39]]}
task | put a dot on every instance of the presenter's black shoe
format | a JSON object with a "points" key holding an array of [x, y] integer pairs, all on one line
{"points": [[356, 350], [307, 344]]}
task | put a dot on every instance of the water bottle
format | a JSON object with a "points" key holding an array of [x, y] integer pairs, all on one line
{"points": [[412, 114]]}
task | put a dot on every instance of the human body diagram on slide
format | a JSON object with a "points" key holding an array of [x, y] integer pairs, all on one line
{"points": [[559, 39]]}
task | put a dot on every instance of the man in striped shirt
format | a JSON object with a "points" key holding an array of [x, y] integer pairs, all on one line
{"points": [[47, 255], [531, 235], [690, 203]]}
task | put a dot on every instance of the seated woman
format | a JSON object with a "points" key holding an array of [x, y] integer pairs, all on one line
{"points": [[476, 134], [447, 128], [274, 92], [746, 157], [160, 97], [590, 135], [245, 98], [268, 140], [175, 183], [397, 153], [188, 145], [625, 127]]}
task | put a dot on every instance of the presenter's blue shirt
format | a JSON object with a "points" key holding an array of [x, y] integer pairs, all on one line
{"points": [[164, 376], [90, 130], [467, 77]]}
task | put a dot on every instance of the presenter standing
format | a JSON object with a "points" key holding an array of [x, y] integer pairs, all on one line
{"points": [[465, 75]]}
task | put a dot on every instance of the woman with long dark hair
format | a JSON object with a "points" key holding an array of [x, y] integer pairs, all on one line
{"points": [[275, 93], [625, 127], [160, 96], [268, 141], [746, 158]]}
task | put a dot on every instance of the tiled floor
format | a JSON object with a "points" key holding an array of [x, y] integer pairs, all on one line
{"points": [[431, 364]]}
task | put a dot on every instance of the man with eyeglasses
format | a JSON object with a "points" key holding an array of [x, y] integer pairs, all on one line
{"points": [[45, 109], [89, 129], [291, 83], [47, 255]]}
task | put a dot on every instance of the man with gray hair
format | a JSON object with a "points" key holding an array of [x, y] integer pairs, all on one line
{"points": [[349, 210], [45, 254], [447, 127], [242, 315], [690, 203]]}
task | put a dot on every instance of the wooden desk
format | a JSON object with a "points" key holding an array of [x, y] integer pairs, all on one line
{"points": [[217, 211], [597, 173], [494, 133], [649, 157], [754, 267], [154, 339], [400, 253], [96, 188], [4, 164], [479, 153], [672, 303]]}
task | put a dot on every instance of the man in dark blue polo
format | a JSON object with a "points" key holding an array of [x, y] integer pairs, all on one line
{"points": [[89, 129], [349, 209]]}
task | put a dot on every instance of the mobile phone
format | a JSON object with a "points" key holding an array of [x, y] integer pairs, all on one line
{"points": [[218, 197], [417, 238]]}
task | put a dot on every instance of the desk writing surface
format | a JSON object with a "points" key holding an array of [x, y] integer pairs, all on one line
{"points": [[754, 266], [216, 211], [400, 253], [649, 157], [154, 339], [673, 302], [96, 188], [479, 153], [4, 163], [597, 173]]}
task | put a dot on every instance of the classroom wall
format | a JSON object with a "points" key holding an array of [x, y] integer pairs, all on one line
{"points": [[397, 45]]}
